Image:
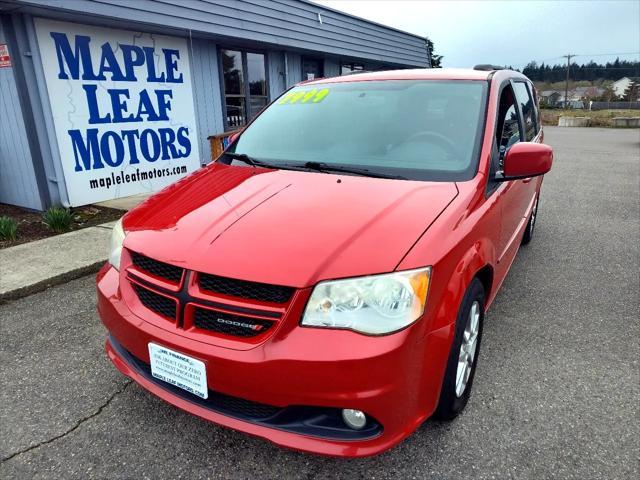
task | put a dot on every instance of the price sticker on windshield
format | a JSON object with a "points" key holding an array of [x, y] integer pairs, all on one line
{"points": [[304, 97]]}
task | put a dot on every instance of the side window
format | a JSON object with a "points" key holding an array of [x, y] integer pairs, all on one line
{"points": [[507, 133], [508, 126], [527, 106], [536, 110]]}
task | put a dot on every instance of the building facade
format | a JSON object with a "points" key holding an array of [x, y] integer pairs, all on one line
{"points": [[102, 99]]}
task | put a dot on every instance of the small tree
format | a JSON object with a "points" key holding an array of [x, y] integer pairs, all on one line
{"points": [[632, 93], [436, 60], [609, 95]]}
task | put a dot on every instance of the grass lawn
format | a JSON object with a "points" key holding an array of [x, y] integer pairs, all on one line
{"points": [[599, 118]]}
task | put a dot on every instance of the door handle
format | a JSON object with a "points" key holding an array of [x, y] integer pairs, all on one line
{"points": [[527, 180]]}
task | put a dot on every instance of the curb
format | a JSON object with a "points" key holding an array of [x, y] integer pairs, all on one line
{"points": [[35, 266], [50, 282]]}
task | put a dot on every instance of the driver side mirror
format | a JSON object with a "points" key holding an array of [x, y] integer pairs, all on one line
{"points": [[525, 160]]}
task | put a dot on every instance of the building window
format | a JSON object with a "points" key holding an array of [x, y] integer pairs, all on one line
{"points": [[245, 86], [312, 68], [347, 68]]}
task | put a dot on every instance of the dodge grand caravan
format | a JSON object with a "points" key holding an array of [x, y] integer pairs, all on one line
{"points": [[323, 284]]}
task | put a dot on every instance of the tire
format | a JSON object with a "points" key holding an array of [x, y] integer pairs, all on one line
{"points": [[453, 399], [528, 233]]}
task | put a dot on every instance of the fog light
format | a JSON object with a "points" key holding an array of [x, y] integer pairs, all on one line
{"points": [[354, 418]]}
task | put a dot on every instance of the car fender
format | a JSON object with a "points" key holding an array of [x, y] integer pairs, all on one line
{"points": [[441, 330], [473, 260]]}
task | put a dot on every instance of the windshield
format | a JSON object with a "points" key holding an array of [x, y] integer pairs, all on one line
{"points": [[421, 130]]}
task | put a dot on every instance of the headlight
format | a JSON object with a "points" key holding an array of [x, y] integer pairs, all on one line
{"points": [[115, 248], [375, 305]]}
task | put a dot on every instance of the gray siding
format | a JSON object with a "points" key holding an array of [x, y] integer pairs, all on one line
{"points": [[18, 184], [277, 76], [206, 93], [283, 23], [294, 68]]}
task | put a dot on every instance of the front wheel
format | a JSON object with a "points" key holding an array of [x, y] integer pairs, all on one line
{"points": [[463, 357], [528, 233]]}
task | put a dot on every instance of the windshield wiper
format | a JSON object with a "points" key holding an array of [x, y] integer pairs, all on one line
{"points": [[317, 166], [254, 162], [325, 167]]}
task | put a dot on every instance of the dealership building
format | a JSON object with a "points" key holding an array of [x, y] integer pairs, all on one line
{"points": [[102, 99]]}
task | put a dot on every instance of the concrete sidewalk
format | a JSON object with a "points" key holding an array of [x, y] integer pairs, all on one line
{"points": [[34, 266]]}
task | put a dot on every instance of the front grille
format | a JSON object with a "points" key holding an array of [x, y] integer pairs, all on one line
{"points": [[241, 406], [229, 324], [155, 302], [157, 268], [245, 289]]}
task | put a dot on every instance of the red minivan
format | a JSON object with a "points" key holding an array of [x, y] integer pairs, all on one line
{"points": [[323, 284]]}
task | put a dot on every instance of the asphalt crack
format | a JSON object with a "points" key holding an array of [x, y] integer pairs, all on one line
{"points": [[78, 424]]}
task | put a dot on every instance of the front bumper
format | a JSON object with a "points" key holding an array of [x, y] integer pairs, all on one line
{"points": [[394, 379]]}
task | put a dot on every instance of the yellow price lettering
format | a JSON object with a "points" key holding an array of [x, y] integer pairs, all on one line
{"points": [[320, 95], [304, 96], [309, 95], [297, 96], [286, 98]]}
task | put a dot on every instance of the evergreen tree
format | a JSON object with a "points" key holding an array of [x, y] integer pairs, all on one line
{"points": [[632, 92], [436, 60], [590, 71]]}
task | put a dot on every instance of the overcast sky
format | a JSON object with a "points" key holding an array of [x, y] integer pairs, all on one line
{"points": [[511, 32]]}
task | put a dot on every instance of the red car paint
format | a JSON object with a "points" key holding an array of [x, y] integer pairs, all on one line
{"points": [[522, 158], [310, 227]]}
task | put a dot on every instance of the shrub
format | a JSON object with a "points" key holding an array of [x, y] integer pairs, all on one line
{"points": [[58, 219], [8, 228]]}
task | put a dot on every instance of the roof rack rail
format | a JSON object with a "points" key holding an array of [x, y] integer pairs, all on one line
{"points": [[487, 67]]}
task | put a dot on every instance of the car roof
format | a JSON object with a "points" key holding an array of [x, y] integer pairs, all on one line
{"points": [[419, 74]]}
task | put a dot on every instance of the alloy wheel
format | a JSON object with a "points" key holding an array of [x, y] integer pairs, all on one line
{"points": [[534, 212], [468, 348]]}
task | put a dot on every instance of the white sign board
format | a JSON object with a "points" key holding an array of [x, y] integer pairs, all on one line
{"points": [[122, 108]]}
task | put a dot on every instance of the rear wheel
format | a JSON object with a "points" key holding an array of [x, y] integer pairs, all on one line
{"points": [[528, 233], [463, 357]]}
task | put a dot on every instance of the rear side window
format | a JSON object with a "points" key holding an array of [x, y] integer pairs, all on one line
{"points": [[536, 109], [527, 106]]}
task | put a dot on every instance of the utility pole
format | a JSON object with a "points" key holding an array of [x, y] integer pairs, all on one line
{"points": [[566, 86]]}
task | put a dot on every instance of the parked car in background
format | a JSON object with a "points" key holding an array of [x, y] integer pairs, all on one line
{"points": [[324, 283]]}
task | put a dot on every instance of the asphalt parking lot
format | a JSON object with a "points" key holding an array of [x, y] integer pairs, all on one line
{"points": [[556, 393]]}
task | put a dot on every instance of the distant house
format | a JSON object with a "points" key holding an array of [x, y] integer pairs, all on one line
{"points": [[549, 98], [578, 97], [620, 86], [586, 93], [573, 101]]}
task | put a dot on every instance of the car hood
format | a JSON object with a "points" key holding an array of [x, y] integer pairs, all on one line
{"points": [[285, 227]]}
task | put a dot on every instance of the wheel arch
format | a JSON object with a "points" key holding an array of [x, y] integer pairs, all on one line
{"points": [[476, 262], [485, 275]]}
